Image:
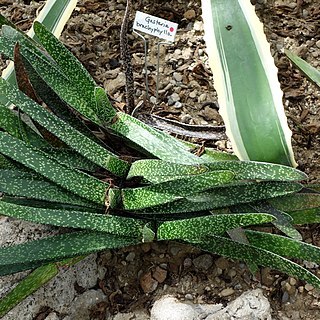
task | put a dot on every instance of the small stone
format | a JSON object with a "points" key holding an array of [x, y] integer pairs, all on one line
{"points": [[160, 274], [227, 292], [148, 283], [202, 97], [309, 287], [232, 273], [189, 296], [153, 100], [222, 263], [285, 297], [130, 257], [292, 281], [187, 263], [178, 105], [177, 76], [198, 26], [189, 14], [193, 94], [318, 44], [175, 97], [203, 262]]}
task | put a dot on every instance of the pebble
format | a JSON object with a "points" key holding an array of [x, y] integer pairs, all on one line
{"points": [[178, 105], [130, 257], [177, 76], [222, 263], [309, 287], [318, 44], [148, 283], [153, 100], [160, 274], [189, 14], [202, 97], [189, 296], [193, 94], [226, 292], [187, 263], [175, 97], [203, 262]]}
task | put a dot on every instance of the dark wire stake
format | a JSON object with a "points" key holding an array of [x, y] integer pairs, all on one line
{"points": [[158, 65], [145, 61]]}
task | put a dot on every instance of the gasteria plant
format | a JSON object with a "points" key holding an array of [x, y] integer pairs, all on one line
{"points": [[137, 185]]}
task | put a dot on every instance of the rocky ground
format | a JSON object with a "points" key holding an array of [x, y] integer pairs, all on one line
{"points": [[125, 284]]}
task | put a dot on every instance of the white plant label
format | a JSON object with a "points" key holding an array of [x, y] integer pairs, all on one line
{"points": [[155, 26]]}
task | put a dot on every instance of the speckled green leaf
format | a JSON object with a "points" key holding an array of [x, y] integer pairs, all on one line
{"points": [[73, 180], [312, 73], [71, 158], [32, 282], [283, 222], [220, 197], [67, 62], [64, 131], [74, 219], [305, 216], [27, 286], [155, 142], [157, 171], [283, 246], [104, 109], [261, 257], [195, 228], [299, 201], [144, 197], [36, 253], [25, 184]]}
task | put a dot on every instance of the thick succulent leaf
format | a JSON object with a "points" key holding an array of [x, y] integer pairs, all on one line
{"points": [[36, 253], [312, 73], [57, 105], [71, 159], [299, 201], [261, 257], [104, 109], [74, 219], [283, 222], [32, 283], [221, 197], [25, 184], [156, 171], [246, 81], [54, 16], [71, 179], [165, 192], [154, 142], [305, 216], [195, 228], [283, 246], [64, 131]]}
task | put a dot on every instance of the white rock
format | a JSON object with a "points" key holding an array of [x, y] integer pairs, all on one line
{"points": [[169, 308]]}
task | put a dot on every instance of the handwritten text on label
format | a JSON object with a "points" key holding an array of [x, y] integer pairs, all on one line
{"points": [[155, 26]]}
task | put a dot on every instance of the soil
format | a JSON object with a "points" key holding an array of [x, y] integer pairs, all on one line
{"points": [[135, 277]]}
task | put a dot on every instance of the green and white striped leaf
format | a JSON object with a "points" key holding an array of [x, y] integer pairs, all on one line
{"points": [[312, 73], [261, 257], [126, 227], [196, 228], [221, 197], [165, 192], [73, 180], [38, 252], [245, 78]]}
